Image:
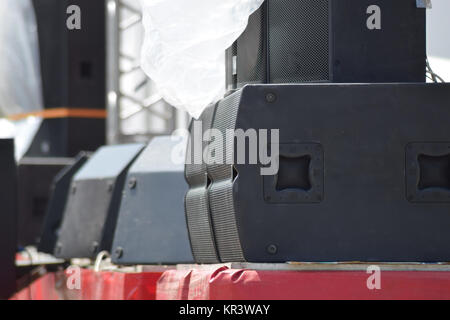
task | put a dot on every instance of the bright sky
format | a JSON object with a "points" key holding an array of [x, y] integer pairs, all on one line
{"points": [[438, 34]]}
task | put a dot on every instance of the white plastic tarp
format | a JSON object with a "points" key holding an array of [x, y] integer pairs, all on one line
{"points": [[185, 44], [20, 76]]}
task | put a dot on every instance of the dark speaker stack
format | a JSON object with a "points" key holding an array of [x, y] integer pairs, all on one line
{"points": [[363, 162], [73, 76], [73, 72], [364, 175], [293, 41], [127, 200], [8, 218], [356, 171], [72, 61]]}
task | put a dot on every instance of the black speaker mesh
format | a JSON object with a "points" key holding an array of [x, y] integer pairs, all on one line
{"points": [[298, 40], [197, 202], [221, 189], [250, 49]]}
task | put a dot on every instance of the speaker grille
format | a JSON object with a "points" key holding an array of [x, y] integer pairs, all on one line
{"points": [[298, 40], [197, 202], [221, 190], [251, 50]]}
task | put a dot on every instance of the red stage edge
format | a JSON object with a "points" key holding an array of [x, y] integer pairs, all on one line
{"points": [[104, 285], [228, 282]]}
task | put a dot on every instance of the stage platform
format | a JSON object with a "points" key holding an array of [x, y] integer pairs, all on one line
{"points": [[245, 282]]}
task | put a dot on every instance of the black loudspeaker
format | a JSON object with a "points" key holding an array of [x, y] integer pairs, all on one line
{"points": [[73, 72], [8, 217], [67, 137], [57, 203], [296, 41], [151, 228], [36, 176], [72, 61], [198, 215], [363, 174], [92, 208]]}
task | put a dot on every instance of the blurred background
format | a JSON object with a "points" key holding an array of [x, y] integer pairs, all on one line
{"points": [[97, 67]]}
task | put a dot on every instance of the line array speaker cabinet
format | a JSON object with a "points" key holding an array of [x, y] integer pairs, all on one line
{"points": [[92, 208], [72, 61], [59, 194], [151, 228], [364, 175], [353, 41], [8, 217], [73, 72]]}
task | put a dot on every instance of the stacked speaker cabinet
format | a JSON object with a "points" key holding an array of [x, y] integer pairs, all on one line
{"points": [[363, 175], [73, 72], [72, 61], [8, 217], [93, 204], [73, 76], [345, 41], [151, 228]]}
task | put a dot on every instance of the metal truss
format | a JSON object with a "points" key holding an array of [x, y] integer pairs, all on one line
{"points": [[136, 112]]}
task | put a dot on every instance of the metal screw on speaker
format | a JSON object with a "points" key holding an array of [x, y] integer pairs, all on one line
{"points": [[110, 187], [132, 184], [271, 97], [118, 253], [272, 249], [94, 247], [58, 248]]}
